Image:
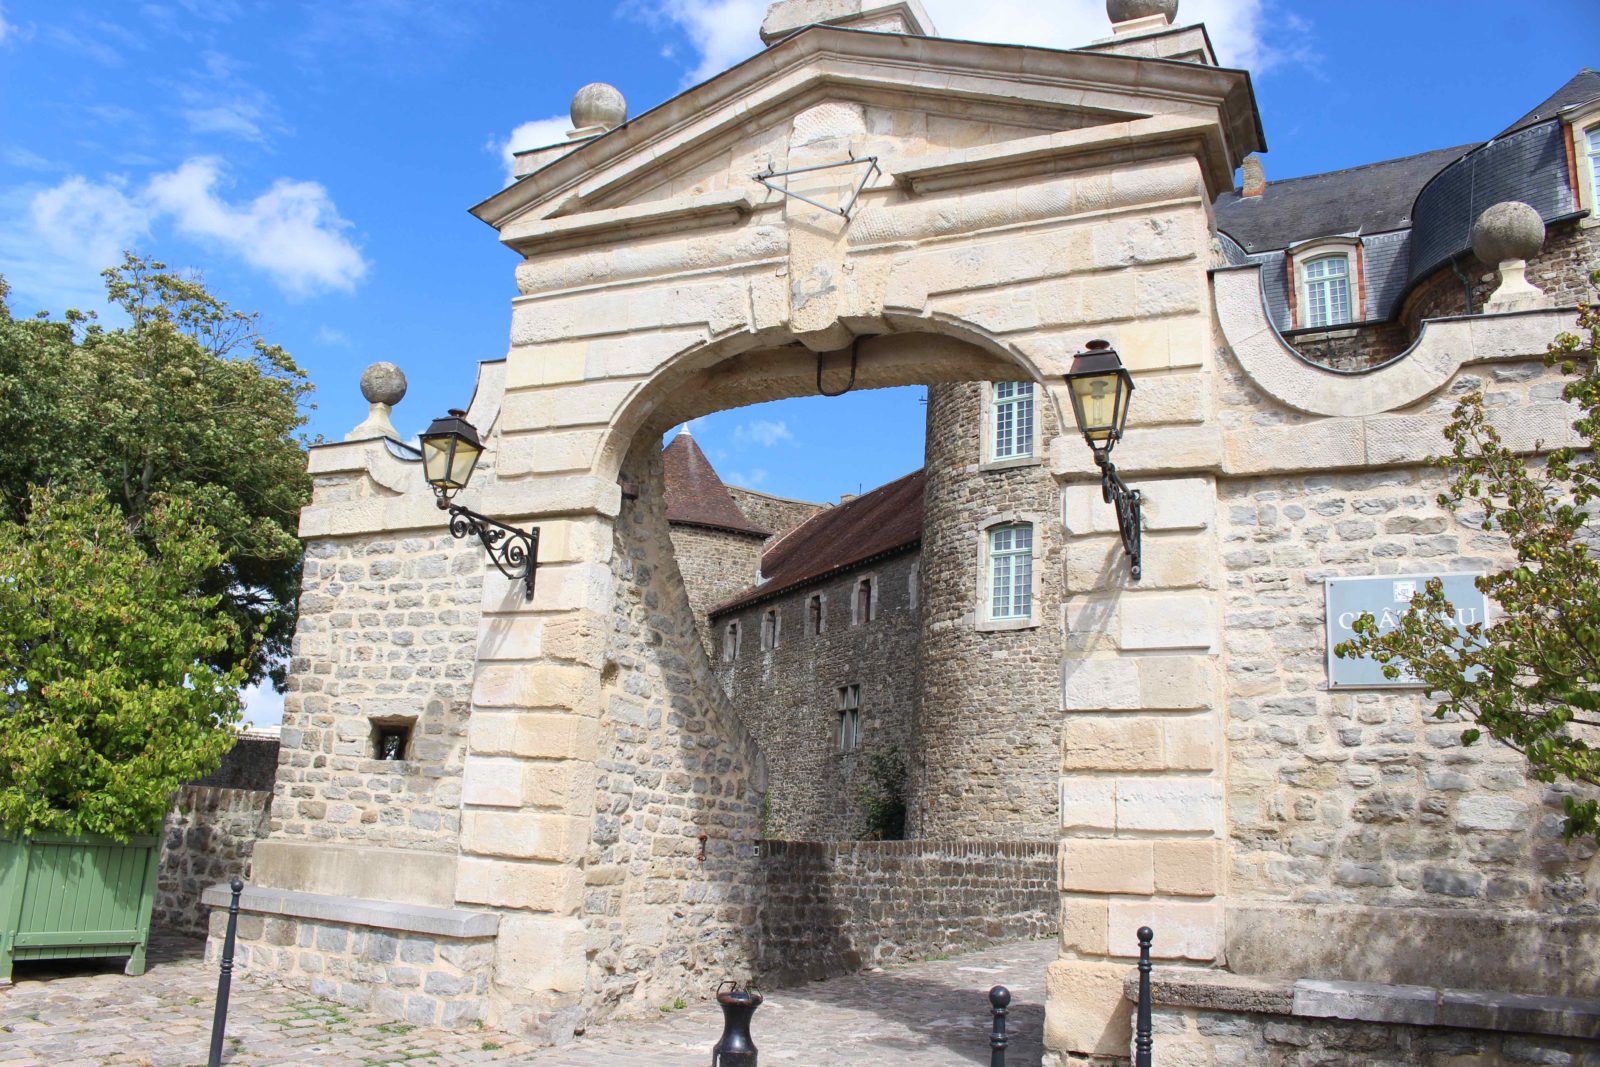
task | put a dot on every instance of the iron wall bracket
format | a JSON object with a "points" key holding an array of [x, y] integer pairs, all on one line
{"points": [[1127, 503], [514, 552]]}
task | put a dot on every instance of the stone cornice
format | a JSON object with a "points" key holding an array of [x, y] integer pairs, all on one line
{"points": [[1442, 348], [1096, 146], [530, 235], [645, 150]]}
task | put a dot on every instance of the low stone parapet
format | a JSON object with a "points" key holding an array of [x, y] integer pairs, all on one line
{"points": [[831, 908], [428, 966]]}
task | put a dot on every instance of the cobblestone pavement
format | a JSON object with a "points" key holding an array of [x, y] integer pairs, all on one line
{"points": [[933, 1013]]}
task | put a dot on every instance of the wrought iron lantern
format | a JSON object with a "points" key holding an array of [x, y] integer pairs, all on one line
{"points": [[450, 451], [1101, 387]]}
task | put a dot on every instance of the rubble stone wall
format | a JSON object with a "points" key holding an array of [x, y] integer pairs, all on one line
{"points": [[670, 875], [775, 513], [388, 630], [989, 714], [715, 564], [788, 696], [837, 907], [210, 835]]}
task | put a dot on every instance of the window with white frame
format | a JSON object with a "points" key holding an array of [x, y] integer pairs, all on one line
{"points": [[730, 641], [1011, 420], [849, 717], [1591, 138], [815, 619], [1325, 291], [771, 624], [1011, 571]]}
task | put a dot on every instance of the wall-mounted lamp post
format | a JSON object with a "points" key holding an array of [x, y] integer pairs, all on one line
{"points": [[1101, 388], [450, 450]]}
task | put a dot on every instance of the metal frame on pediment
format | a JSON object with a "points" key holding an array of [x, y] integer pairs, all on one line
{"points": [[870, 162]]}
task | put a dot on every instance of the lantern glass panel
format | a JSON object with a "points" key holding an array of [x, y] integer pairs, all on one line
{"points": [[1100, 403], [436, 460], [462, 460]]}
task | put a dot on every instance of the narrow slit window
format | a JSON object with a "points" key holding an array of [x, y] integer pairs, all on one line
{"points": [[1012, 421], [391, 740], [730, 641], [862, 609], [771, 623], [1011, 572], [849, 717], [814, 615]]}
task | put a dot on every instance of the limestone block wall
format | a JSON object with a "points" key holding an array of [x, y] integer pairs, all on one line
{"points": [[988, 715], [670, 877], [388, 630], [788, 696], [715, 564], [210, 836], [836, 907]]}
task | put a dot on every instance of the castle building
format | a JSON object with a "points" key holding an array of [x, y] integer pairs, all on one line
{"points": [[540, 804]]}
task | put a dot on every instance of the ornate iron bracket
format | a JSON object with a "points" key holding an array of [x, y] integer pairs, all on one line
{"points": [[514, 552], [1127, 503]]}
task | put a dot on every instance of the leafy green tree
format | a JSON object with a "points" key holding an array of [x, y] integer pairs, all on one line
{"points": [[110, 698], [1531, 680], [185, 402], [883, 797]]}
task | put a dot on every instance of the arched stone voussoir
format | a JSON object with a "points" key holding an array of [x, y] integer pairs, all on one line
{"points": [[1442, 348]]}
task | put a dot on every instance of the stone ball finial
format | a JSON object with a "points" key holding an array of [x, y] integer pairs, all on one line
{"points": [[383, 383], [1128, 10], [598, 104], [1507, 231]]}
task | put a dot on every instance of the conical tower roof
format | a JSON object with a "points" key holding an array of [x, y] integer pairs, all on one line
{"points": [[696, 496]]}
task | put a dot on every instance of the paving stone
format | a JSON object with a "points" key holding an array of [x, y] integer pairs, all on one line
{"points": [[934, 1013]]}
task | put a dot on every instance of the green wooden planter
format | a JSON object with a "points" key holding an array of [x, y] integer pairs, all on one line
{"points": [[69, 897]]}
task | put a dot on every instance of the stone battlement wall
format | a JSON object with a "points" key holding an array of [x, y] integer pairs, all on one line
{"points": [[834, 907]]}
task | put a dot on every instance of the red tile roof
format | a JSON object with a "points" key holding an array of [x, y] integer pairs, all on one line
{"points": [[695, 495], [886, 520]]}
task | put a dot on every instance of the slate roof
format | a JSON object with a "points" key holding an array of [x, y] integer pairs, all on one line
{"points": [[884, 521], [1580, 89], [1373, 198], [695, 495]]}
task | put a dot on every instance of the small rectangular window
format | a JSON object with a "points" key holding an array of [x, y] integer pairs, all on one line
{"points": [[849, 717], [814, 614], [1011, 572], [730, 641], [391, 739], [1011, 425]]}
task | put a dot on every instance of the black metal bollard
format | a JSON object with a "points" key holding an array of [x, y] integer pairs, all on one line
{"points": [[999, 999], [219, 1021], [1142, 1040], [736, 1049]]}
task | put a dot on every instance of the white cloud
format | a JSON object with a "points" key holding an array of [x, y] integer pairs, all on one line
{"points": [[332, 336], [723, 32], [534, 134], [762, 432], [262, 705], [88, 222], [55, 241], [293, 231], [236, 118], [6, 28]]}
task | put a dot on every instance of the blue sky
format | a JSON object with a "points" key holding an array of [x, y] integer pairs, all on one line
{"points": [[315, 160]]}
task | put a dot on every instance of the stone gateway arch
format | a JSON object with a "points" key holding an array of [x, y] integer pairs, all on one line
{"points": [[573, 830]]}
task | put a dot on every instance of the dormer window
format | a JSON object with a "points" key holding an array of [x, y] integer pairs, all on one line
{"points": [[1591, 143], [1325, 290]]}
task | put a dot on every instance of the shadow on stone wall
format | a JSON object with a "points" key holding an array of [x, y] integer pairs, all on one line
{"points": [[831, 908]]}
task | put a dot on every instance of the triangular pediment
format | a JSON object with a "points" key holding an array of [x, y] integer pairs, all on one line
{"points": [[830, 93]]}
